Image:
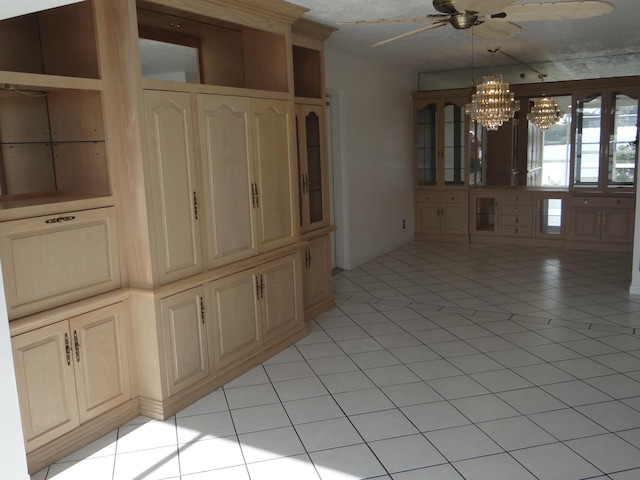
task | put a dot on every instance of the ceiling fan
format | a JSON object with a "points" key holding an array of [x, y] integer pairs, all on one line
{"points": [[493, 19]]}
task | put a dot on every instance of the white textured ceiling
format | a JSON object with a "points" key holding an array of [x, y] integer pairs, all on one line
{"points": [[604, 46]]}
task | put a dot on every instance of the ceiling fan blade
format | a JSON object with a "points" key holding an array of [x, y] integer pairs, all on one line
{"points": [[482, 6], [571, 10], [412, 32], [492, 30], [394, 20]]}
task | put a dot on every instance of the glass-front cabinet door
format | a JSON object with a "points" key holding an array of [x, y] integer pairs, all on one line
{"points": [[426, 120], [606, 139], [312, 167], [441, 142], [453, 145]]}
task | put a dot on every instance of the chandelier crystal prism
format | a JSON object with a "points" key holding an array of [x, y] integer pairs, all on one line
{"points": [[493, 103]]}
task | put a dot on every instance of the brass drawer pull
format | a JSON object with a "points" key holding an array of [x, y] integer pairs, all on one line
{"points": [[60, 219]]}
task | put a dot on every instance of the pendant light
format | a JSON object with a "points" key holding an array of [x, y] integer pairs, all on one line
{"points": [[545, 112], [493, 103]]}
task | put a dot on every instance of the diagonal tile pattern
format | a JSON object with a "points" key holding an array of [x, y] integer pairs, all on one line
{"points": [[444, 362]]}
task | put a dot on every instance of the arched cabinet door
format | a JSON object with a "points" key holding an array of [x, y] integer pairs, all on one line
{"points": [[313, 169], [173, 184]]}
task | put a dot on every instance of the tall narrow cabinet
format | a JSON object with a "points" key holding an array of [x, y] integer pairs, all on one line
{"points": [[313, 164]]}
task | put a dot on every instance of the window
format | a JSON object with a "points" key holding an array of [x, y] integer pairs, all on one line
{"points": [[549, 151]]}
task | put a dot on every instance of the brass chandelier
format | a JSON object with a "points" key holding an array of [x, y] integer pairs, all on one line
{"points": [[493, 103], [545, 112]]}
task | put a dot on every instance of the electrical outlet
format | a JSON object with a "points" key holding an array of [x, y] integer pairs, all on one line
{"points": [[404, 224]]}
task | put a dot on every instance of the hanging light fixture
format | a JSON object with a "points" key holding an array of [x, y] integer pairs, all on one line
{"points": [[545, 112], [493, 103]]}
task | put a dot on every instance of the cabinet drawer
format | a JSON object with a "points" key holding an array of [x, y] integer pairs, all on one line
{"points": [[517, 220], [53, 260], [604, 202], [517, 199], [516, 231], [440, 197], [517, 210]]}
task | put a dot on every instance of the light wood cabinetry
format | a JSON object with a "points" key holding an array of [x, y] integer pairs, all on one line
{"points": [[172, 168], [550, 215], [601, 220], [185, 339], [275, 192], [229, 166], [441, 141], [312, 167], [70, 372], [441, 214], [316, 275], [200, 175], [255, 306], [516, 215], [235, 316], [484, 219], [313, 164], [49, 261]]}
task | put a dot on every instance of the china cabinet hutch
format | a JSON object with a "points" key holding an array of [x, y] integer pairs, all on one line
{"points": [[163, 228], [313, 169], [572, 186], [442, 146]]}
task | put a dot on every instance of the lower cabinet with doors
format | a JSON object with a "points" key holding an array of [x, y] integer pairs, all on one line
{"points": [[441, 215], [606, 222], [316, 274], [210, 332], [70, 373]]}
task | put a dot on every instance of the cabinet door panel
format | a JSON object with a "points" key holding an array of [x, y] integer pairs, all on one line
{"points": [[185, 339], [454, 219], [101, 360], [235, 316], [316, 279], [46, 385], [225, 135], [428, 218], [49, 261], [273, 123], [585, 224], [173, 183], [617, 225], [313, 167], [282, 300]]}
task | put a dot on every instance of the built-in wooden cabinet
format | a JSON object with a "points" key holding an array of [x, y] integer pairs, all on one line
{"points": [[52, 260], [441, 214], [254, 306], [442, 135], [485, 210], [316, 275], [604, 221], [550, 216], [516, 215], [312, 167], [70, 372], [172, 166], [605, 136], [275, 180], [572, 185], [174, 192], [186, 347], [313, 164]]}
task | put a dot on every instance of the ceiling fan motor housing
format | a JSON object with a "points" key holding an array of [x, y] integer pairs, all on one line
{"points": [[445, 6], [462, 21]]}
